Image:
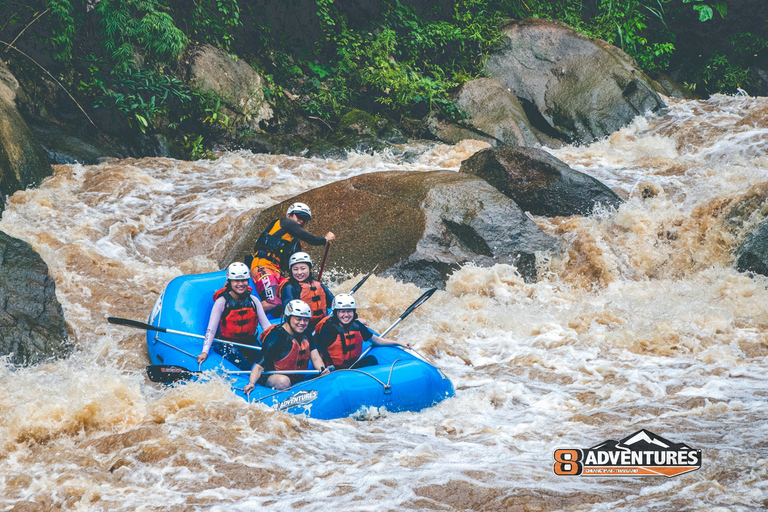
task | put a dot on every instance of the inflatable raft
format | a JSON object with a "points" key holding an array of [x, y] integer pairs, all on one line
{"points": [[391, 378]]}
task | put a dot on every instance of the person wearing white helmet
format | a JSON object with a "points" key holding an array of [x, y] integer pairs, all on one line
{"points": [[286, 346], [275, 246], [235, 316], [339, 337], [301, 284]]}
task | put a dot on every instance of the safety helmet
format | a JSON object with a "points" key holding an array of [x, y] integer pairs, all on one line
{"points": [[238, 271], [300, 257], [344, 301], [298, 308], [299, 209]]}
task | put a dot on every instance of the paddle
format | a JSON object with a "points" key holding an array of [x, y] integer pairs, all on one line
{"points": [[168, 373], [363, 280], [322, 264], [142, 325], [421, 300]]}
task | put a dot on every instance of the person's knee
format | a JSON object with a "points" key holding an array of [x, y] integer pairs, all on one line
{"points": [[280, 382]]}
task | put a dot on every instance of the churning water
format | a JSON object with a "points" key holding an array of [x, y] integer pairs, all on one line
{"points": [[642, 323]]}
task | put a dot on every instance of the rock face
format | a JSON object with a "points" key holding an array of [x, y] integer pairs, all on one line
{"points": [[417, 226], [494, 115], [32, 326], [538, 182], [752, 255], [23, 162], [581, 88], [240, 88]]}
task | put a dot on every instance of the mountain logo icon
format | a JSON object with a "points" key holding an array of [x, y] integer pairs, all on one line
{"points": [[640, 454]]}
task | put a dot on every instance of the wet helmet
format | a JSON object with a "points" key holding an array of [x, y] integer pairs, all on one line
{"points": [[300, 257], [300, 209], [344, 301], [238, 271], [298, 308]]}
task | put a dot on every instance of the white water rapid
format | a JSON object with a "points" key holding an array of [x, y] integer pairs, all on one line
{"points": [[644, 323]]}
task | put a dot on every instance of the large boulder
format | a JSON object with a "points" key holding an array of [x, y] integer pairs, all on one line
{"points": [[32, 326], [494, 115], [240, 88], [538, 182], [417, 226], [583, 89], [752, 254], [23, 163]]}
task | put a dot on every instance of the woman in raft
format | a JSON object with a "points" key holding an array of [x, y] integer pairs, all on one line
{"points": [[303, 286], [235, 316], [339, 337]]}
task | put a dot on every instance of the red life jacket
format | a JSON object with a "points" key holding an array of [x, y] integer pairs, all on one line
{"points": [[314, 295], [297, 358], [239, 319], [345, 349]]}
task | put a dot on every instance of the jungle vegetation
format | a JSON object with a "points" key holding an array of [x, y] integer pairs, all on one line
{"points": [[398, 58]]}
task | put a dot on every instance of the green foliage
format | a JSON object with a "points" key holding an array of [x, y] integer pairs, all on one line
{"points": [[144, 24], [706, 11], [210, 21], [61, 23]]}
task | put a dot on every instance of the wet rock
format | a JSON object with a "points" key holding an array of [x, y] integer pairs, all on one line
{"points": [[32, 325], [417, 226], [664, 84], [583, 89], [494, 115], [752, 255], [538, 182], [241, 89], [23, 163]]}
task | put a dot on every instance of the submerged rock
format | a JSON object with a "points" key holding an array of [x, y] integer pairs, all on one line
{"points": [[23, 162], [32, 325], [538, 182], [579, 88], [417, 226]]}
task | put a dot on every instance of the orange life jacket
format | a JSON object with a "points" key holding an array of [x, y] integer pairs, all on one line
{"points": [[345, 349], [273, 248], [239, 320], [314, 295], [297, 358]]}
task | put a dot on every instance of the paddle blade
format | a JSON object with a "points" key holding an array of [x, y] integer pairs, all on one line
{"points": [[421, 300], [168, 374], [363, 280], [133, 323]]}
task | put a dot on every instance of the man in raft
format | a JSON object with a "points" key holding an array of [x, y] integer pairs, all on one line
{"points": [[235, 316], [339, 337], [272, 250], [301, 284], [287, 346]]}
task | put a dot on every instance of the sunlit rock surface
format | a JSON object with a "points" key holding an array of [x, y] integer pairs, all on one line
{"points": [[580, 88], [417, 226]]}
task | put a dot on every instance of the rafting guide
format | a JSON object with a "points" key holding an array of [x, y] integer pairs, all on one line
{"points": [[640, 454], [274, 248]]}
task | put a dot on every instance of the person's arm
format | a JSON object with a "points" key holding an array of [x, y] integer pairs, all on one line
{"points": [[263, 320], [317, 361], [367, 334], [270, 346], [288, 294], [213, 326], [292, 227], [328, 295]]}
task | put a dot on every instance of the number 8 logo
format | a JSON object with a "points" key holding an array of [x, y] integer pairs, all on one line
{"points": [[567, 462]]}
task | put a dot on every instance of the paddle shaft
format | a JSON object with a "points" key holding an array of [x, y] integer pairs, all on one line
{"points": [[362, 281], [168, 373], [325, 257], [142, 325], [421, 300]]}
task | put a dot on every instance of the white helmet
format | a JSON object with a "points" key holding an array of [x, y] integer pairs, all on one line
{"points": [[298, 308], [344, 301], [300, 257], [300, 209], [238, 271]]}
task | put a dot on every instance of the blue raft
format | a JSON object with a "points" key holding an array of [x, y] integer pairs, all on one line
{"points": [[396, 380]]}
